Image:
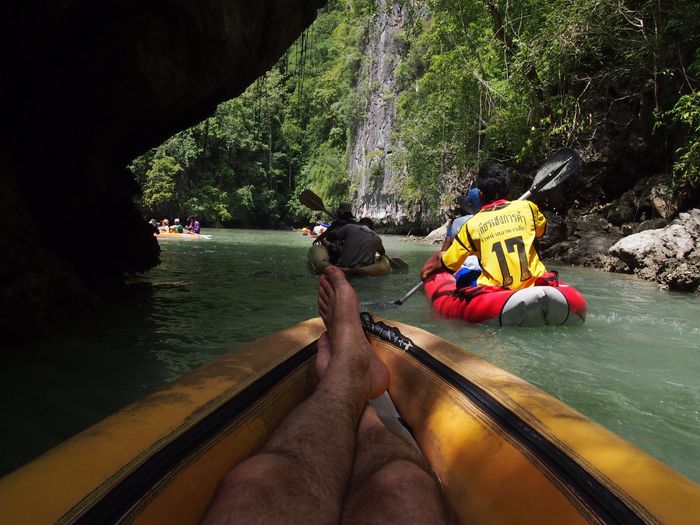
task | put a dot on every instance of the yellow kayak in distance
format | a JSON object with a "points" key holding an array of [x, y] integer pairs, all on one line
{"points": [[505, 451], [187, 236]]}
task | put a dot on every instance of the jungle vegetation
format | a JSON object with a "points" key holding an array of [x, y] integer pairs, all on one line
{"points": [[509, 80]]}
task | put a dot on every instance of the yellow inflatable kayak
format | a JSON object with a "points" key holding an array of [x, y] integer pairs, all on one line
{"points": [[319, 260], [186, 236], [505, 451]]}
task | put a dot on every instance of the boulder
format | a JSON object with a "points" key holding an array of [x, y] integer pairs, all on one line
{"points": [[651, 224], [590, 236], [623, 209], [437, 235], [662, 199], [650, 197], [556, 230], [669, 256]]}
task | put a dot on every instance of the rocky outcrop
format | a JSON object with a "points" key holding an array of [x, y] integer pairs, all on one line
{"points": [[437, 236], [371, 146], [88, 86], [625, 235], [669, 256], [579, 238]]}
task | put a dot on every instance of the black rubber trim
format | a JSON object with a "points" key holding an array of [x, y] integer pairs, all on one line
{"points": [[605, 504], [534, 222], [445, 267], [461, 243], [500, 314], [471, 241], [568, 305], [128, 492]]}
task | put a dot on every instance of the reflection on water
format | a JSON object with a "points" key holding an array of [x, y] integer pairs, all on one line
{"points": [[634, 366]]}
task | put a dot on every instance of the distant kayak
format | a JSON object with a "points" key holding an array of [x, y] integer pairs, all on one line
{"points": [[551, 302], [319, 260], [186, 236]]}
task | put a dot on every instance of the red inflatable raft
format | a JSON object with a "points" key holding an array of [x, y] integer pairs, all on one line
{"points": [[550, 302]]}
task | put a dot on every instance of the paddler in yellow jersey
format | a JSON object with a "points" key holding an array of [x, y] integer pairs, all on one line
{"points": [[502, 235]]}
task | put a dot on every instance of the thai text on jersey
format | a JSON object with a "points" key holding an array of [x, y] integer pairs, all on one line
{"points": [[502, 235]]}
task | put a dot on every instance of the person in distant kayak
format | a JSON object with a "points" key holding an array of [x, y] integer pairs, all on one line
{"points": [[502, 235], [192, 224], [354, 245], [319, 228], [177, 227], [154, 224], [332, 460], [470, 204], [164, 226], [342, 217]]}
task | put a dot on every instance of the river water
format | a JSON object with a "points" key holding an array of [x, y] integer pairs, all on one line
{"points": [[634, 366]]}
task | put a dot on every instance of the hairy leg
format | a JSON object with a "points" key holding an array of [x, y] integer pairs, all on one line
{"points": [[391, 482], [301, 474]]}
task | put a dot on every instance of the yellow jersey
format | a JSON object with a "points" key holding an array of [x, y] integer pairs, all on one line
{"points": [[502, 236]]}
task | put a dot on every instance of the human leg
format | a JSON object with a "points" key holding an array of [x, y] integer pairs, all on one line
{"points": [[302, 473], [391, 482]]}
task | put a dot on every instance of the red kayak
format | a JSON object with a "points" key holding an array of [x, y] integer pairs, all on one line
{"points": [[549, 302]]}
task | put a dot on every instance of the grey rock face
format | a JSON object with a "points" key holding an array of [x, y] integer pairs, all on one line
{"points": [[371, 144], [580, 239], [437, 235], [669, 256]]}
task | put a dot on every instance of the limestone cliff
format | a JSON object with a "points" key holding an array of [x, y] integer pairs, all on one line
{"points": [[371, 146]]}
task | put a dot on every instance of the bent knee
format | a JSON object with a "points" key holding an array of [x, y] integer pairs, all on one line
{"points": [[261, 469], [399, 492], [401, 475]]}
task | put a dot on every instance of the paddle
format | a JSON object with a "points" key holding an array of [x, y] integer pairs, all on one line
{"points": [[559, 167], [312, 201]]}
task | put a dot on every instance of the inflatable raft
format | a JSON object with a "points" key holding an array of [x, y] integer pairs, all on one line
{"points": [[551, 302], [505, 451], [319, 260], [186, 236]]}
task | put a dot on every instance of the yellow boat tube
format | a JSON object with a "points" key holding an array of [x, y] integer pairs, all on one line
{"points": [[319, 260], [505, 451]]}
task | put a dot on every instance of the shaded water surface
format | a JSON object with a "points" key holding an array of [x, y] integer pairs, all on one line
{"points": [[633, 367]]}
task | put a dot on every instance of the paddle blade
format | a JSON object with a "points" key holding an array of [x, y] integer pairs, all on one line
{"points": [[398, 265], [556, 170], [312, 201]]}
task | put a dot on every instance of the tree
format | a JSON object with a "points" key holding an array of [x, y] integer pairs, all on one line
{"points": [[159, 195]]}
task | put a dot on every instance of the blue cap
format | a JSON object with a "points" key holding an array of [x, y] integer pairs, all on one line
{"points": [[471, 202]]}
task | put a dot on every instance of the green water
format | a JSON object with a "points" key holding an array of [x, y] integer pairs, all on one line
{"points": [[633, 367]]}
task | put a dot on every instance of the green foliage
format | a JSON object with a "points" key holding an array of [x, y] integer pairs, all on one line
{"points": [[687, 166], [506, 80], [247, 163], [326, 175], [210, 202], [159, 185], [514, 82]]}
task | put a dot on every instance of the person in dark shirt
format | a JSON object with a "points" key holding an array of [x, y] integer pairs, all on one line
{"points": [[354, 245], [342, 217]]}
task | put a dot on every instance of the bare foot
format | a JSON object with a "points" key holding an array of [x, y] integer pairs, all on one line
{"points": [[339, 309]]}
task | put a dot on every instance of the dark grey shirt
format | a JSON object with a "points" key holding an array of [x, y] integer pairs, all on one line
{"points": [[358, 245]]}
